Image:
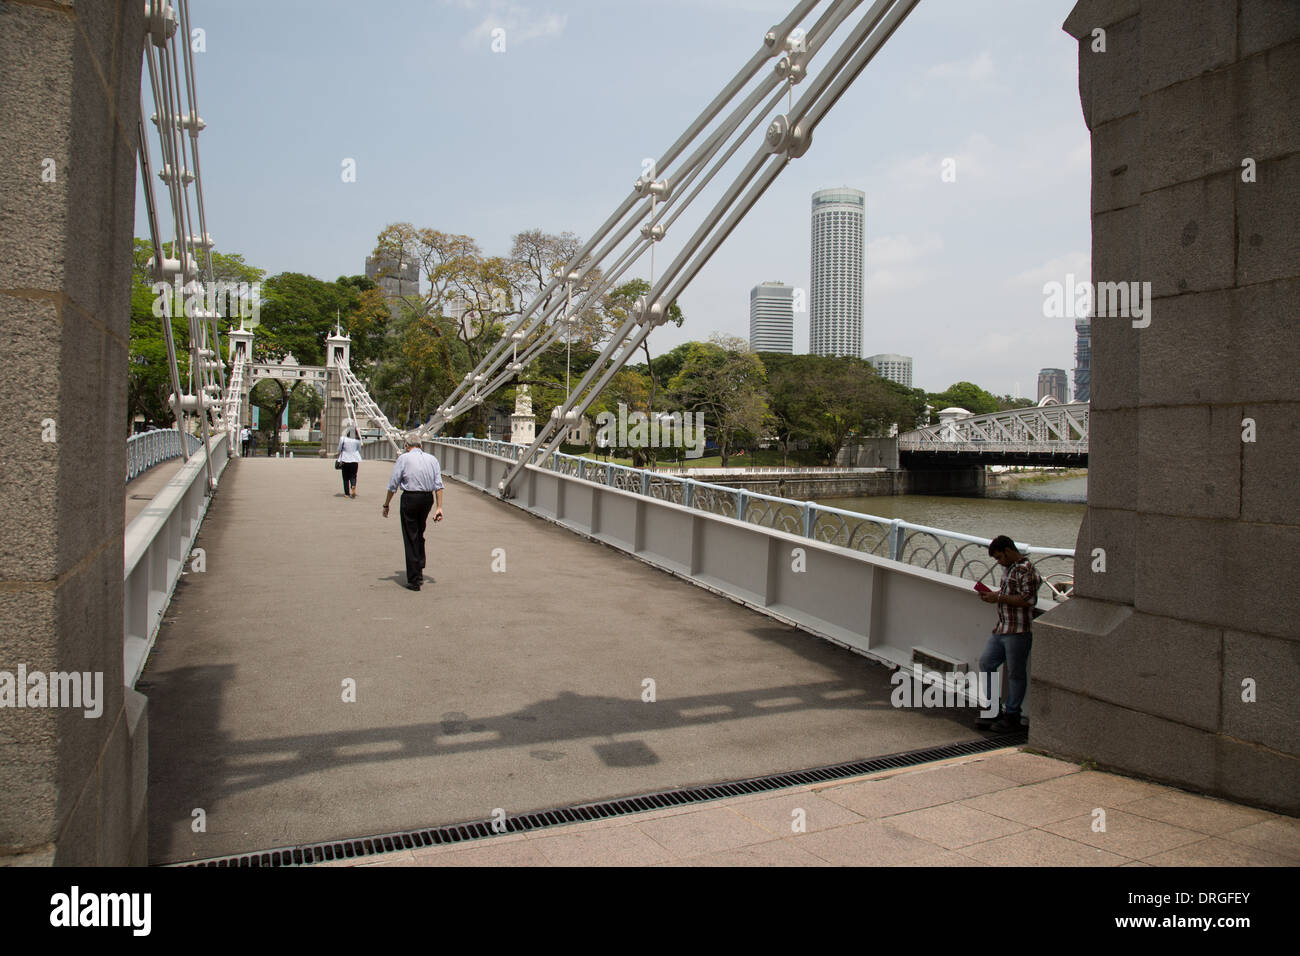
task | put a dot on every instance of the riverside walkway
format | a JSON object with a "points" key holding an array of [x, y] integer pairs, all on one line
{"points": [[516, 690], [1002, 808]]}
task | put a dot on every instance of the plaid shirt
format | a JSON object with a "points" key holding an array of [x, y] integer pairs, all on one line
{"points": [[1019, 580]]}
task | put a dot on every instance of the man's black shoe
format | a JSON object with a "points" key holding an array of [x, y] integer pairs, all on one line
{"points": [[985, 723], [1007, 724], [413, 587]]}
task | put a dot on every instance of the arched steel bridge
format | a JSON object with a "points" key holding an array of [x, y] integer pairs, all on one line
{"points": [[1045, 434]]}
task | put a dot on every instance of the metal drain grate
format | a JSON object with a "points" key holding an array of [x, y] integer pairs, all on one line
{"points": [[540, 819]]}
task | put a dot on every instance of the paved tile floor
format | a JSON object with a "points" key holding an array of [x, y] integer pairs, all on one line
{"points": [[1007, 808]]}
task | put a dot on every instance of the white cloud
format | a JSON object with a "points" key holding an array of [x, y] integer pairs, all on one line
{"points": [[972, 159], [894, 250], [894, 263], [1077, 264], [970, 70]]}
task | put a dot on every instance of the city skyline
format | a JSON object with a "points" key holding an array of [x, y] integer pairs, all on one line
{"points": [[992, 87]]}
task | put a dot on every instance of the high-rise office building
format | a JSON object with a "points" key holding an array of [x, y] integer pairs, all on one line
{"points": [[1053, 382], [835, 300], [396, 280], [771, 318], [896, 368], [1083, 360]]}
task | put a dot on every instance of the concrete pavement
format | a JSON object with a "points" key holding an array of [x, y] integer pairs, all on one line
{"points": [[519, 689], [1004, 808]]}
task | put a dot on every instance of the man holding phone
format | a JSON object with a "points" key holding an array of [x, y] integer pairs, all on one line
{"points": [[1011, 639]]}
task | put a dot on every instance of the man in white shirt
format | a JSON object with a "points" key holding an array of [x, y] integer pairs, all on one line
{"points": [[419, 476], [243, 442]]}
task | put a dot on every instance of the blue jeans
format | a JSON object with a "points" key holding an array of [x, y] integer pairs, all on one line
{"points": [[1014, 650]]}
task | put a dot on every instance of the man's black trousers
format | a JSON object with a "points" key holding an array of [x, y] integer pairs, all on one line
{"points": [[416, 506]]}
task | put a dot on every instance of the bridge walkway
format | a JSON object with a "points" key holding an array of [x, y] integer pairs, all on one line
{"points": [[141, 491], [518, 690]]}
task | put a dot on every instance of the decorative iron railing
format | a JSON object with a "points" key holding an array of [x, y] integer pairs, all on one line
{"points": [[949, 552], [147, 449]]}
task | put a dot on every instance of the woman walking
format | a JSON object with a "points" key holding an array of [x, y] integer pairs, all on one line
{"points": [[350, 458]]}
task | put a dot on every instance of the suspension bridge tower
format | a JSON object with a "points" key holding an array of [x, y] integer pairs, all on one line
{"points": [[338, 355], [241, 358]]}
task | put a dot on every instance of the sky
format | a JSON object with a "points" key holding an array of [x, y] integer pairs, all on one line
{"points": [[550, 133]]}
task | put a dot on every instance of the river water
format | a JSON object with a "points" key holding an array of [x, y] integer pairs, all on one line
{"points": [[1045, 514]]}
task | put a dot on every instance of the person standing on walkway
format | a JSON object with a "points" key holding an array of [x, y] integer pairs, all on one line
{"points": [[243, 441], [350, 458], [1011, 639], [419, 476]]}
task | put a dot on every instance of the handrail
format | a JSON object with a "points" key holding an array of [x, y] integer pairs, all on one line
{"points": [[156, 547], [894, 538], [147, 449]]}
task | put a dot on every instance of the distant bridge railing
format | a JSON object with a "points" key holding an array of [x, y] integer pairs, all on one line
{"points": [[948, 552], [147, 449], [158, 542]]}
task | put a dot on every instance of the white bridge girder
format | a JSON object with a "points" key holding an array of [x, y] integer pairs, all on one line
{"points": [[1043, 429]]}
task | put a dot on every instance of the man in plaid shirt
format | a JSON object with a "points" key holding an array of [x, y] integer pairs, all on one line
{"points": [[1011, 639]]}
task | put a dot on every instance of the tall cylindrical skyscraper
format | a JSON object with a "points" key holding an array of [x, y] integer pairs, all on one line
{"points": [[839, 218]]}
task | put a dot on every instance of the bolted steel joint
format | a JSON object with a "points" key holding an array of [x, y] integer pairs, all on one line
{"points": [[653, 233], [160, 21], [781, 138], [652, 315], [778, 134], [800, 140]]}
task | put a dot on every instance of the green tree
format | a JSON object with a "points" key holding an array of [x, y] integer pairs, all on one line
{"points": [[725, 380], [365, 317], [965, 395], [298, 313], [421, 366], [1006, 402], [791, 404], [305, 406]]}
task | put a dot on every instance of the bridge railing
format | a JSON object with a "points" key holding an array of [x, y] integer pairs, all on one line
{"points": [[807, 471], [928, 443], [948, 552], [158, 542], [147, 449]]}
